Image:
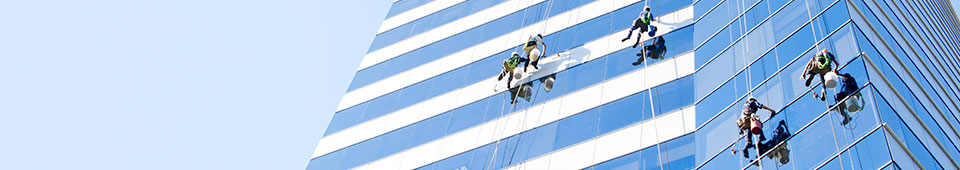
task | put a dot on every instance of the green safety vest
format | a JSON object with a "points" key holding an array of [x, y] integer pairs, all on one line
{"points": [[511, 62], [823, 60], [646, 18]]}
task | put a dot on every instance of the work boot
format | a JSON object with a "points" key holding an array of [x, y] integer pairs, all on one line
{"points": [[846, 119], [746, 153], [625, 39]]}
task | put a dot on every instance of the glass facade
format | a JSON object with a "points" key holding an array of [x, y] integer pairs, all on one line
{"points": [[679, 111]]}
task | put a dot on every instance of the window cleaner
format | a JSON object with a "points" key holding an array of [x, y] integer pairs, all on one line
{"points": [[849, 88], [643, 24], [654, 51], [821, 64], [508, 66], [750, 124], [533, 51]]}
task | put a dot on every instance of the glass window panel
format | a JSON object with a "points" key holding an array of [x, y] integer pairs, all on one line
{"points": [[870, 153], [712, 47], [497, 106], [620, 113], [662, 7], [467, 116], [788, 19], [415, 93], [584, 75], [899, 128], [650, 158], [397, 140], [627, 162], [503, 150], [482, 69], [481, 157], [430, 129], [620, 62], [675, 94], [361, 153], [381, 105], [328, 161], [535, 142], [623, 17], [447, 82], [679, 153], [710, 23], [679, 41], [345, 118], [592, 29], [366, 76], [576, 128]]}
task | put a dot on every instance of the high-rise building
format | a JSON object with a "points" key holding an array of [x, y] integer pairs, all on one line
{"points": [[427, 95]]}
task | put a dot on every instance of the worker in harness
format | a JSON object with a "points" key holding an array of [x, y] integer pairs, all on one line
{"points": [[849, 88], [654, 51], [508, 66], [533, 51], [643, 24], [820, 65], [750, 124]]}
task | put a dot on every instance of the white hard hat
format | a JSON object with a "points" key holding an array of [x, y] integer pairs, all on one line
{"points": [[514, 54]]}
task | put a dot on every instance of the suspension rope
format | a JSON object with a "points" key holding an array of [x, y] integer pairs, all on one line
{"points": [[744, 51], [524, 126], [495, 127], [817, 46], [523, 21], [545, 10], [494, 136]]}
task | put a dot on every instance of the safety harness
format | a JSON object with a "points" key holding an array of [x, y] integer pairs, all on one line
{"points": [[823, 60]]}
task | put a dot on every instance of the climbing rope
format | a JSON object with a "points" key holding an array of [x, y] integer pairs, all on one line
{"points": [[497, 145], [523, 126], [817, 46], [650, 91], [744, 51]]}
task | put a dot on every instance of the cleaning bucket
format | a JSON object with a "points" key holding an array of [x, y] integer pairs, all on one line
{"points": [[830, 80]]}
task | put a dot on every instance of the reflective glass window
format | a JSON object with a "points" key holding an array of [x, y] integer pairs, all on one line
{"points": [[576, 128], [430, 129]]}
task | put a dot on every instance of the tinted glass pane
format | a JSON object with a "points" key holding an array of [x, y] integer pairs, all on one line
{"points": [[576, 128]]}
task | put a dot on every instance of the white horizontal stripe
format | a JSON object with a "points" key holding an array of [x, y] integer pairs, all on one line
{"points": [[417, 74], [542, 114], [444, 31], [483, 89], [617, 143], [416, 13]]}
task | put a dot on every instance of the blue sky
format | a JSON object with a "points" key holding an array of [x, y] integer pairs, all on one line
{"points": [[175, 84]]}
